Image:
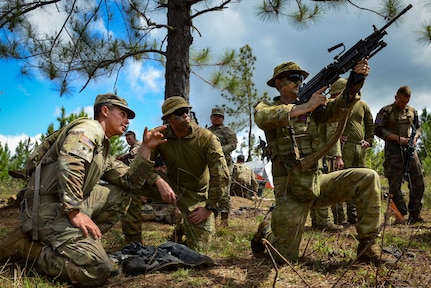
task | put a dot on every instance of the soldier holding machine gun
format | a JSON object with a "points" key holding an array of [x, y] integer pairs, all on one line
{"points": [[393, 123], [290, 124]]}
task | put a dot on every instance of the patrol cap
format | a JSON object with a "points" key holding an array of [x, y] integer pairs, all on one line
{"points": [[338, 86], [173, 103], [111, 98], [240, 158], [286, 68], [217, 111]]}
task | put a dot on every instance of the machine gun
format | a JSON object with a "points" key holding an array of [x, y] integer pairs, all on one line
{"points": [[409, 150], [343, 63]]}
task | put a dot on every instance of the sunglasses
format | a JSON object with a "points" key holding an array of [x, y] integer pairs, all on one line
{"points": [[295, 77], [181, 111]]}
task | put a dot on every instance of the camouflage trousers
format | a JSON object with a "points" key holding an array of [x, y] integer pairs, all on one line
{"points": [[131, 223], [67, 253], [394, 172], [224, 204], [320, 216], [312, 189], [197, 235]]}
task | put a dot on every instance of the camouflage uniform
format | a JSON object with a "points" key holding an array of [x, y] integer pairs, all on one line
{"points": [[228, 142], [131, 223], [392, 120], [244, 183], [320, 216], [359, 127], [133, 150], [297, 194], [197, 173], [69, 180]]}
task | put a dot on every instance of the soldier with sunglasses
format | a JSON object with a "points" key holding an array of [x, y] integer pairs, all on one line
{"points": [[292, 134], [197, 175]]}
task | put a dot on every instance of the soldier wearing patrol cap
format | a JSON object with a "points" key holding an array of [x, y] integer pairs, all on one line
{"points": [[292, 135], [228, 141], [197, 174], [65, 210]]}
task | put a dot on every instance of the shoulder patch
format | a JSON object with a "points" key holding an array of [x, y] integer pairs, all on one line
{"points": [[86, 141]]}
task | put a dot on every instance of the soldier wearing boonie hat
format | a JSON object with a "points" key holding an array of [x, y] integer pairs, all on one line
{"points": [[196, 171], [173, 103], [292, 135], [111, 98], [284, 69]]}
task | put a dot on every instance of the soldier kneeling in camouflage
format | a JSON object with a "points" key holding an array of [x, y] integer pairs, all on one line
{"points": [[65, 211], [292, 136]]}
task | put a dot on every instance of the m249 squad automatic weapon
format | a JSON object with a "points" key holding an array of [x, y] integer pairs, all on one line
{"points": [[409, 150], [343, 63]]}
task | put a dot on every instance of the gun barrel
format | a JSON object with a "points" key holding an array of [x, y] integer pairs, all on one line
{"points": [[396, 17]]}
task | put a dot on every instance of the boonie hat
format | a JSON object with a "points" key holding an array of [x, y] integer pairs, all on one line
{"points": [[217, 111], [338, 86], [173, 103], [286, 68], [111, 98]]}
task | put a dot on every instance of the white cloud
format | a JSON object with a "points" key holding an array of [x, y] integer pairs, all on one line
{"points": [[12, 141]]}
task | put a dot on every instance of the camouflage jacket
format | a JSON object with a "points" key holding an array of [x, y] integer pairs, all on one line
{"points": [[195, 163], [243, 175], [81, 157], [133, 150], [387, 123], [274, 119], [227, 139], [360, 124]]}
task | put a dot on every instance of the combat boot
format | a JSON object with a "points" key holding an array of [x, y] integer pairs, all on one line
{"points": [[19, 246], [224, 219], [414, 217], [370, 251], [257, 246]]}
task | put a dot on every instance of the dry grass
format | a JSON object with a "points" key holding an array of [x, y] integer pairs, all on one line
{"points": [[327, 258]]}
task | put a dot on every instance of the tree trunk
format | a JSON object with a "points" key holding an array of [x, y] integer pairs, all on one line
{"points": [[177, 73]]}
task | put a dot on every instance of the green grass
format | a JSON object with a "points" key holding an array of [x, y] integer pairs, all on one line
{"points": [[327, 258]]}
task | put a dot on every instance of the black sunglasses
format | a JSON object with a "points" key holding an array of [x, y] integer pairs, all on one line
{"points": [[181, 111], [295, 77]]}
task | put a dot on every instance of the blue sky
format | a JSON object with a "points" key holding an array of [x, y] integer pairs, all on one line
{"points": [[29, 106]]}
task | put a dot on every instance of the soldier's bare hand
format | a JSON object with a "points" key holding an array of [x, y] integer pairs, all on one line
{"points": [[165, 190], [198, 215], [362, 67], [154, 137], [318, 98], [84, 223]]}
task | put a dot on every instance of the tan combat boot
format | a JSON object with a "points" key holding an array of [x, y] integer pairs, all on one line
{"points": [[370, 251], [19, 246], [256, 243]]}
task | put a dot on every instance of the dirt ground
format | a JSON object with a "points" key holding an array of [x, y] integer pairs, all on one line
{"points": [[327, 261]]}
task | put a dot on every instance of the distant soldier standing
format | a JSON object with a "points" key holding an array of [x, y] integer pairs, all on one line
{"points": [[228, 141], [244, 183], [393, 124], [133, 148]]}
